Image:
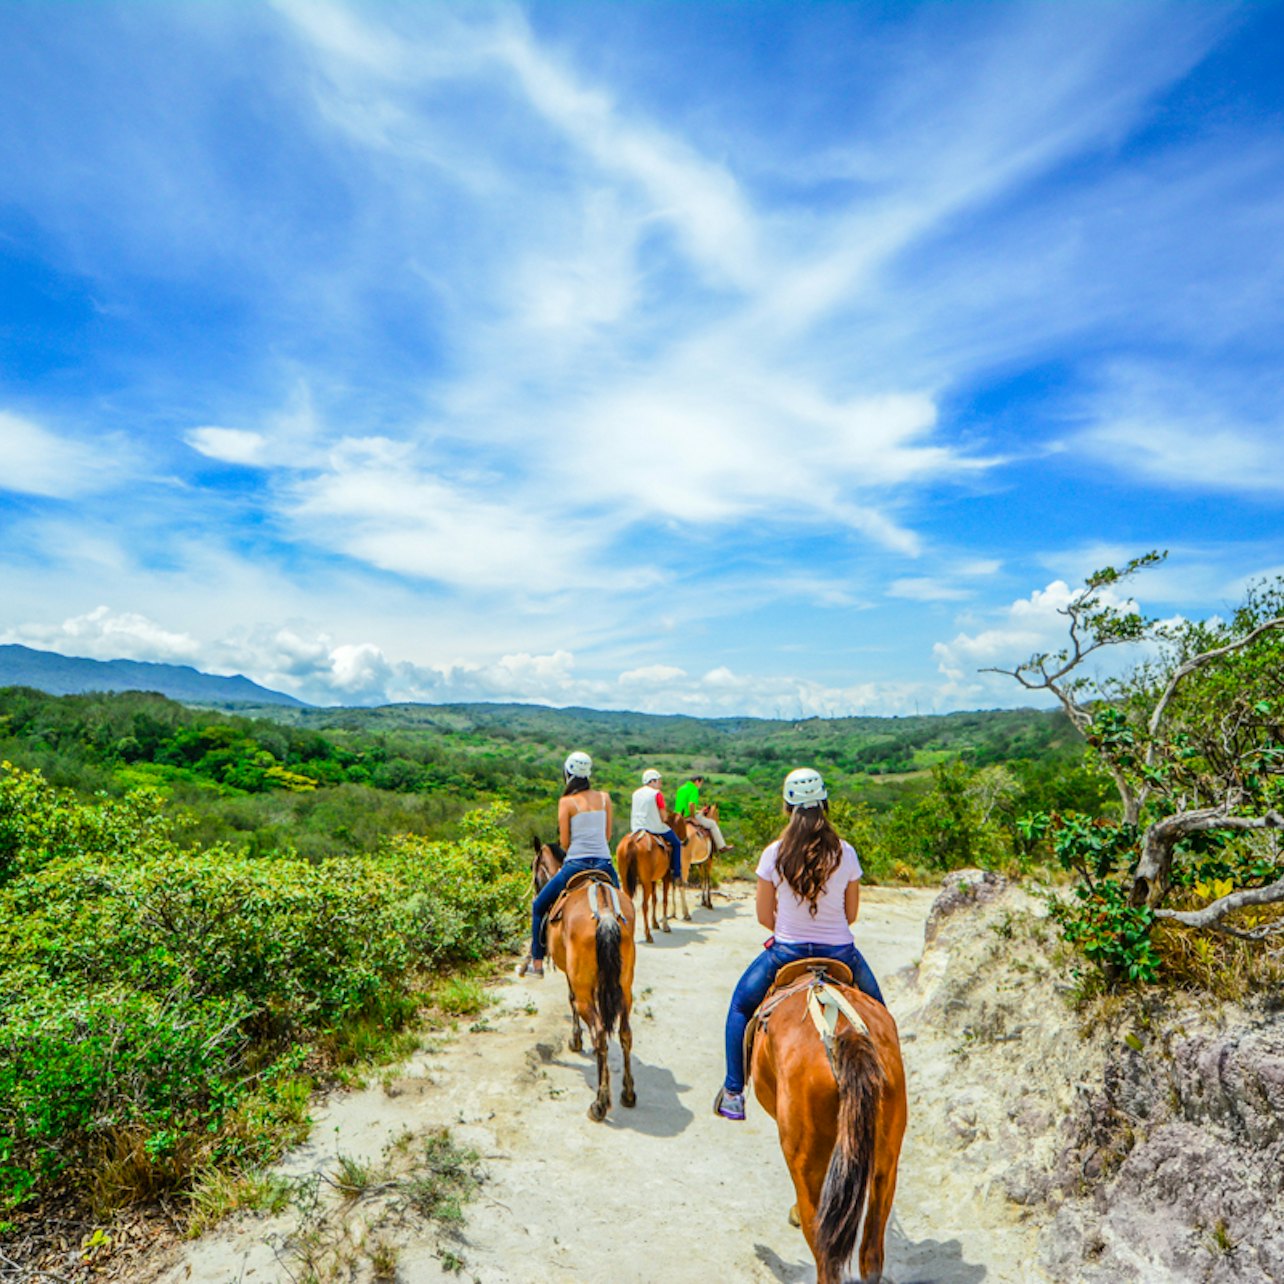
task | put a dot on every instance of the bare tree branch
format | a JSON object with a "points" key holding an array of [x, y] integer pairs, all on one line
{"points": [[1211, 915], [1150, 883]]}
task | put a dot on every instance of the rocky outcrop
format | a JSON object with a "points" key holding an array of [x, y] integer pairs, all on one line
{"points": [[1195, 1122], [1149, 1145], [963, 889]]}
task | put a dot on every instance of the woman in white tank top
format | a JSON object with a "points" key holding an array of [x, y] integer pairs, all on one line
{"points": [[584, 817]]}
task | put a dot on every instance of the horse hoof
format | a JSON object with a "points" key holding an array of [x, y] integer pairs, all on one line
{"points": [[686, 918], [794, 1219], [666, 928], [597, 1112], [629, 1099], [576, 1045]]}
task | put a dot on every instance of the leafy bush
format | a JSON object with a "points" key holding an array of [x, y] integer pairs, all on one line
{"points": [[148, 988]]}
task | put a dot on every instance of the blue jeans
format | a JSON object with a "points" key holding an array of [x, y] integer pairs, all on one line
{"points": [[553, 889], [752, 988], [675, 854]]}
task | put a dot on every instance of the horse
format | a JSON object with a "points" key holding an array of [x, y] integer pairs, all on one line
{"points": [[547, 861], [697, 854], [840, 1109], [593, 946], [644, 858]]}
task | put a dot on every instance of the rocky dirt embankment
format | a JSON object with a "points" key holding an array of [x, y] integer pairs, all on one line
{"points": [[1147, 1145]]}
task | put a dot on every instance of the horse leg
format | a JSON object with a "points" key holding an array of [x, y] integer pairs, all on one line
{"points": [[803, 1140], [628, 1096], [878, 1208], [648, 907], [602, 1102], [706, 884], [577, 1034], [666, 886], [889, 1132]]}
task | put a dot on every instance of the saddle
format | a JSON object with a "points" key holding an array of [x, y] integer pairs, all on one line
{"points": [[696, 830], [590, 878], [818, 978]]}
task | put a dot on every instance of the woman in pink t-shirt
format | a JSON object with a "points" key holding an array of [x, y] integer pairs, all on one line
{"points": [[808, 897]]}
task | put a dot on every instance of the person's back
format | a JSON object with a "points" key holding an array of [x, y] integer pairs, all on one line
{"points": [[687, 799], [796, 921], [584, 830], [645, 814], [588, 832]]}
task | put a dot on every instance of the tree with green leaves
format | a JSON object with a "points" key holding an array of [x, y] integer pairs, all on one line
{"points": [[1193, 739]]}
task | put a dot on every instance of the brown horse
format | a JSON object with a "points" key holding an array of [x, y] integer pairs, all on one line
{"points": [[644, 858], [697, 857], [547, 861], [840, 1108], [593, 945]]}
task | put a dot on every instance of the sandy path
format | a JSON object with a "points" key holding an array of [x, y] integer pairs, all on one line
{"points": [[665, 1191]]}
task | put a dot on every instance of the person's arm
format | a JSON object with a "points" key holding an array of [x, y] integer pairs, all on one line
{"points": [[766, 904], [610, 814], [564, 822], [851, 900], [659, 802]]}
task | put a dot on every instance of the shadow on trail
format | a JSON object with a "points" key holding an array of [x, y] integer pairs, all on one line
{"points": [[659, 1112], [683, 934], [929, 1261]]}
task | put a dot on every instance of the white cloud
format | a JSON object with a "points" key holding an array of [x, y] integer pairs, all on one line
{"points": [[1203, 456], [104, 634], [230, 445], [375, 504], [1029, 626], [651, 675], [925, 588], [35, 461]]}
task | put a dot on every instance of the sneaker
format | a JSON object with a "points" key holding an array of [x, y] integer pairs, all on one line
{"points": [[730, 1105], [536, 969]]}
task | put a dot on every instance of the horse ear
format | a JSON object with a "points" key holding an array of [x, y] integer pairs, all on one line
{"points": [[535, 843]]}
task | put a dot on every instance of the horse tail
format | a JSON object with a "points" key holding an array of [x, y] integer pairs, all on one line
{"points": [[842, 1197], [610, 993], [628, 861]]}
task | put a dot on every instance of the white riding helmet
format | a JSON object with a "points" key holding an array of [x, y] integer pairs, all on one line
{"points": [[804, 788], [578, 764], [650, 776]]}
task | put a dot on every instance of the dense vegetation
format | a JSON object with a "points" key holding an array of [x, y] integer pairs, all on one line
{"points": [[161, 1004], [199, 911], [325, 782], [1185, 873]]}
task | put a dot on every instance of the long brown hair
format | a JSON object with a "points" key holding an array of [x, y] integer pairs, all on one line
{"points": [[810, 851]]}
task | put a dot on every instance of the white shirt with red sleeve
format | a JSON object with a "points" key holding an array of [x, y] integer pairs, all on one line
{"points": [[646, 814]]}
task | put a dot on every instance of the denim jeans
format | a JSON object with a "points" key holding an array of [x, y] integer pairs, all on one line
{"points": [[675, 854], [553, 889], [753, 986]]}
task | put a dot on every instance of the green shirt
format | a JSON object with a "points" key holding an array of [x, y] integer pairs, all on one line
{"points": [[687, 799]]}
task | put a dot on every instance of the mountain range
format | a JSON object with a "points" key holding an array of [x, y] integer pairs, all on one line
{"points": [[23, 666]]}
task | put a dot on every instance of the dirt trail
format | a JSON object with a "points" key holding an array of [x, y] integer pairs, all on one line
{"points": [[665, 1191]]}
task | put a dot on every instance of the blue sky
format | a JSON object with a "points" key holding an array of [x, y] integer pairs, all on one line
{"points": [[765, 358]]}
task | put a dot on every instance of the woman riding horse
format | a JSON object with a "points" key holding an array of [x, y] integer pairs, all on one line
{"points": [[584, 829], [808, 895]]}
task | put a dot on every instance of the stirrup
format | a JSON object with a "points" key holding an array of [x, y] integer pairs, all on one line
{"points": [[717, 1106]]}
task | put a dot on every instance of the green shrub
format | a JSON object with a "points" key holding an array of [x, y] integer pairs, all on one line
{"points": [[147, 989]]}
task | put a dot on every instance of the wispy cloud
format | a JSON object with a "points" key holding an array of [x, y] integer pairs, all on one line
{"points": [[468, 353], [36, 461]]}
